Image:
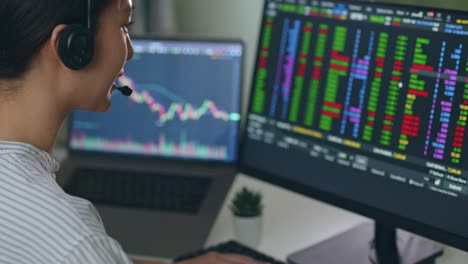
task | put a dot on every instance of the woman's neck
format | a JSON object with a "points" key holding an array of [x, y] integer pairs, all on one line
{"points": [[32, 117]]}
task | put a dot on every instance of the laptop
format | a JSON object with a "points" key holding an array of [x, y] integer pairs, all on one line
{"points": [[159, 164]]}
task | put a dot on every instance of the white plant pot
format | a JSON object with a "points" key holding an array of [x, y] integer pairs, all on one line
{"points": [[248, 230]]}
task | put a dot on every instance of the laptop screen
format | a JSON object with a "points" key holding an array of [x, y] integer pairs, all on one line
{"points": [[185, 104]]}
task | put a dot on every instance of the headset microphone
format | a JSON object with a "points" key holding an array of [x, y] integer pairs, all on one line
{"points": [[125, 90]]}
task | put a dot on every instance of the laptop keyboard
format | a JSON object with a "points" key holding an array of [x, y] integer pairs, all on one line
{"points": [[161, 192], [232, 247]]}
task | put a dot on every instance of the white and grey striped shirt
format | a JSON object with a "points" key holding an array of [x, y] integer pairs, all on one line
{"points": [[39, 222]]}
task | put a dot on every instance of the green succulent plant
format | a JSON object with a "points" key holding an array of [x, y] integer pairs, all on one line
{"points": [[247, 203]]}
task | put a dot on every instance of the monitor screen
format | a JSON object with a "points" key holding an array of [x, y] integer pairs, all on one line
{"points": [[364, 105], [185, 103]]}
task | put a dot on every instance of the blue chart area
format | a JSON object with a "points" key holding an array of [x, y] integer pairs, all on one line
{"points": [[181, 107]]}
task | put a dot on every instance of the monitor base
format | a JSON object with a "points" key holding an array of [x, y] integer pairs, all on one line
{"points": [[355, 246]]}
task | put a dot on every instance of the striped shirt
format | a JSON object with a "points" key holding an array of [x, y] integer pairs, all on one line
{"points": [[39, 222]]}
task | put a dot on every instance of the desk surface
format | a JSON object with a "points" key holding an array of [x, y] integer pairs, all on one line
{"points": [[292, 222]]}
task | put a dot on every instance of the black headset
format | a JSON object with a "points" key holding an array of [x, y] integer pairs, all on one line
{"points": [[76, 42]]}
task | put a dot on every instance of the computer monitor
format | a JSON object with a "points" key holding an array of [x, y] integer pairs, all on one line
{"points": [[185, 103], [364, 105]]}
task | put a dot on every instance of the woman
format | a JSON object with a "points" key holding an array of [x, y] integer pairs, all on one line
{"points": [[53, 61]]}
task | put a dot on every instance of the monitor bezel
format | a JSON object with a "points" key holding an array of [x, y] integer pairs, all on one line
{"points": [[175, 38], [377, 214]]}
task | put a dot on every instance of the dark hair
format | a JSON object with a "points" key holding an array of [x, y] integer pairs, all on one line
{"points": [[25, 25]]}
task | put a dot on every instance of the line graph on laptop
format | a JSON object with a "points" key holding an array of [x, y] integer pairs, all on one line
{"points": [[179, 109], [186, 113]]}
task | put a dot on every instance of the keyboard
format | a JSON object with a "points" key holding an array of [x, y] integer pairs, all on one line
{"points": [[232, 247], [162, 192]]}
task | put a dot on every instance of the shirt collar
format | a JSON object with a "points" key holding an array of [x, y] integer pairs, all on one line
{"points": [[41, 157]]}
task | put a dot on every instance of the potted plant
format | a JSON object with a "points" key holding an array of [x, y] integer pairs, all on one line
{"points": [[247, 208]]}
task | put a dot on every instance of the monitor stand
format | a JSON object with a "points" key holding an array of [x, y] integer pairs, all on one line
{"points": [[362, 245]]}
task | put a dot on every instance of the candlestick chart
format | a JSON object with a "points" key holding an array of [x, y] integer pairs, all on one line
{"points": [[184, 107]]}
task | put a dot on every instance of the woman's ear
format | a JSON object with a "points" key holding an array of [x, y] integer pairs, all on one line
{"points": [[53, 42]]}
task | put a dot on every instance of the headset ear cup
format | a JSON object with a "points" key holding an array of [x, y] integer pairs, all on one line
{"points": [[76, 47]]}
